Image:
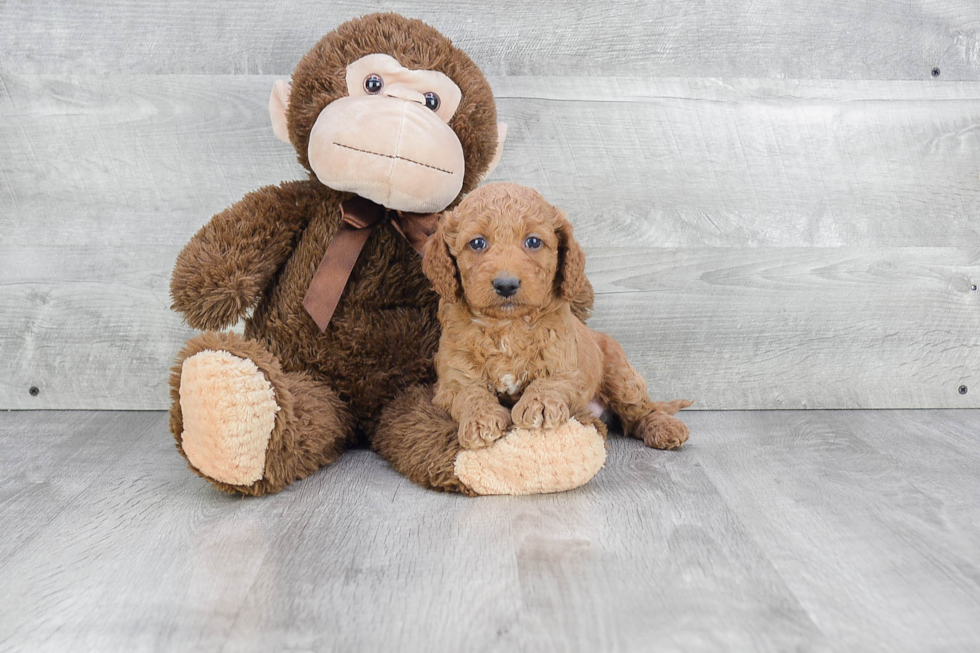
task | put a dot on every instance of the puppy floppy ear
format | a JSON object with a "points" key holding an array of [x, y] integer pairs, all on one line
{"points": [[439, 265], [570, 279]]}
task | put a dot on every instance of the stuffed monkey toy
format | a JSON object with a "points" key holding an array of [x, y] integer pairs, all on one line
{"points": [[394, 124]]}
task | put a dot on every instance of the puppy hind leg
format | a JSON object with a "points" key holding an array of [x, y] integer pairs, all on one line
{"points": [[625, 392]]}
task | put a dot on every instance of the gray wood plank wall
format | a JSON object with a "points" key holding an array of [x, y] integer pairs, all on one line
{"points": [[779, 199]]}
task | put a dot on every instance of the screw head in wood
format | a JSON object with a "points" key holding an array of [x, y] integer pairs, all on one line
{"points": [[935, 72], [963, 389], [35, 391]]}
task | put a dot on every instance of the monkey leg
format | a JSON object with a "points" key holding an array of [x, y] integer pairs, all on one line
{"points": [[421, 441], [625, 392], [244, 424]]}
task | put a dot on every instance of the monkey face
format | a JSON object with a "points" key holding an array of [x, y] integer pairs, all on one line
{"points": [[387, 108], [389, 140]]}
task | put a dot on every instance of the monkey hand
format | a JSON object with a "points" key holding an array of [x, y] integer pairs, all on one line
{"points": [[230, 262], [211, 292]]}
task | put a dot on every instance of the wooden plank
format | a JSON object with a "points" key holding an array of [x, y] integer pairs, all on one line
{"points": [[87, 345], [613, 566], [938, 454], [731, 328], [673, 163], [127, 156], [652, 162], [357, 558], [52, 458], [116, 561], [874, 555], [103, 179], [796, 328], [768, 531], [771, 38]]}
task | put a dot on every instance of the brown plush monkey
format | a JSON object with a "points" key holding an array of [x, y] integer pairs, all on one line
{"points": [[393, 123]]}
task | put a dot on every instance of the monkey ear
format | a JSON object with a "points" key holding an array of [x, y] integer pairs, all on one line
{"points": [[278, 103], [570, 280], [501, 137], [439, 265]]}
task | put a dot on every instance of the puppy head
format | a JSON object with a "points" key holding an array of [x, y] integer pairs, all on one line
{"points": [[505, 250]]}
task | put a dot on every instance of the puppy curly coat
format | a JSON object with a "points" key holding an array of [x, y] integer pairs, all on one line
{"points": [[512, 353]]}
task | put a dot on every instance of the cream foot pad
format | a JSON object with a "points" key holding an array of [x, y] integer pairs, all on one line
{"points": [[534, 461], [229, 410]]}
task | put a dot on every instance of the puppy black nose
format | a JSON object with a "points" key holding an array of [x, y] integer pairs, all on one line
{"points": [[506, 286]]}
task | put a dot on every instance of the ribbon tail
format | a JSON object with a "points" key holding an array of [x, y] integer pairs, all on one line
{"points": [[416, 228], [333, 272]]}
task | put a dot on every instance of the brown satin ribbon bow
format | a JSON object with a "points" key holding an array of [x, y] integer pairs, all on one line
{"points": [[359, 218]]}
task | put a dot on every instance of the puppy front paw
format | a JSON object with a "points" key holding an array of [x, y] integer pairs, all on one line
{"points": [[483, 426], [539, 409], [662, 431]]}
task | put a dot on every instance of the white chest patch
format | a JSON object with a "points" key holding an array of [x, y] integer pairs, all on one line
{"points": [[509, 384]]}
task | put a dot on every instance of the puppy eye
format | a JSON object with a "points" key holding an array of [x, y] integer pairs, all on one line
{"points": [[432, 101], [532, 242], [478, 243], [373, 84]]}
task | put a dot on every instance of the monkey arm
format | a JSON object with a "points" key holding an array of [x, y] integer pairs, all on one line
{"points": [[230, 261]]}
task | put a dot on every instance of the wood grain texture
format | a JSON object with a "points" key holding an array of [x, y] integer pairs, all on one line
{"points": [[796, 328], [858, 525], [730, 328], [49, 460], [769, 531], [103, 179], [734, 163], [640, 162], [806, 39], [129, 532]]}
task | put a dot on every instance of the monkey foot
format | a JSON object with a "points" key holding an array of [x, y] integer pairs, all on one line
{"points": [[534, 461], [229, 410]]}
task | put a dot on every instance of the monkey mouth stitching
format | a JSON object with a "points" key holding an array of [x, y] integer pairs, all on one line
{"points": [[392, 156]]}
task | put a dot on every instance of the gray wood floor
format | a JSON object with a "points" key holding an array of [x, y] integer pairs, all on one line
{"points": [[845, 530]]}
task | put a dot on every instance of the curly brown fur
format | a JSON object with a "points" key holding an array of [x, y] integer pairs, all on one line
{"points": [[524, 348], [312, 427], [262, 252]]}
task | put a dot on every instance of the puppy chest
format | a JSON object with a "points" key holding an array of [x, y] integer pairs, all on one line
{"points": [[510, 385], [513, 361], [507, 374]]}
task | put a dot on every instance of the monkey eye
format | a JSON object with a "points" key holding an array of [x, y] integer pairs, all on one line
{"points": [[478, 243], [373, 84], [532, 242], [432, 101]]}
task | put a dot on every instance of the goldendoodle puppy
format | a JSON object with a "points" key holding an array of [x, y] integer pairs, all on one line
{"points": [[512, 353]]}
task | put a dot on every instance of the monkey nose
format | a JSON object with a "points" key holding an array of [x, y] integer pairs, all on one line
{"points": [[506, 286]]}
